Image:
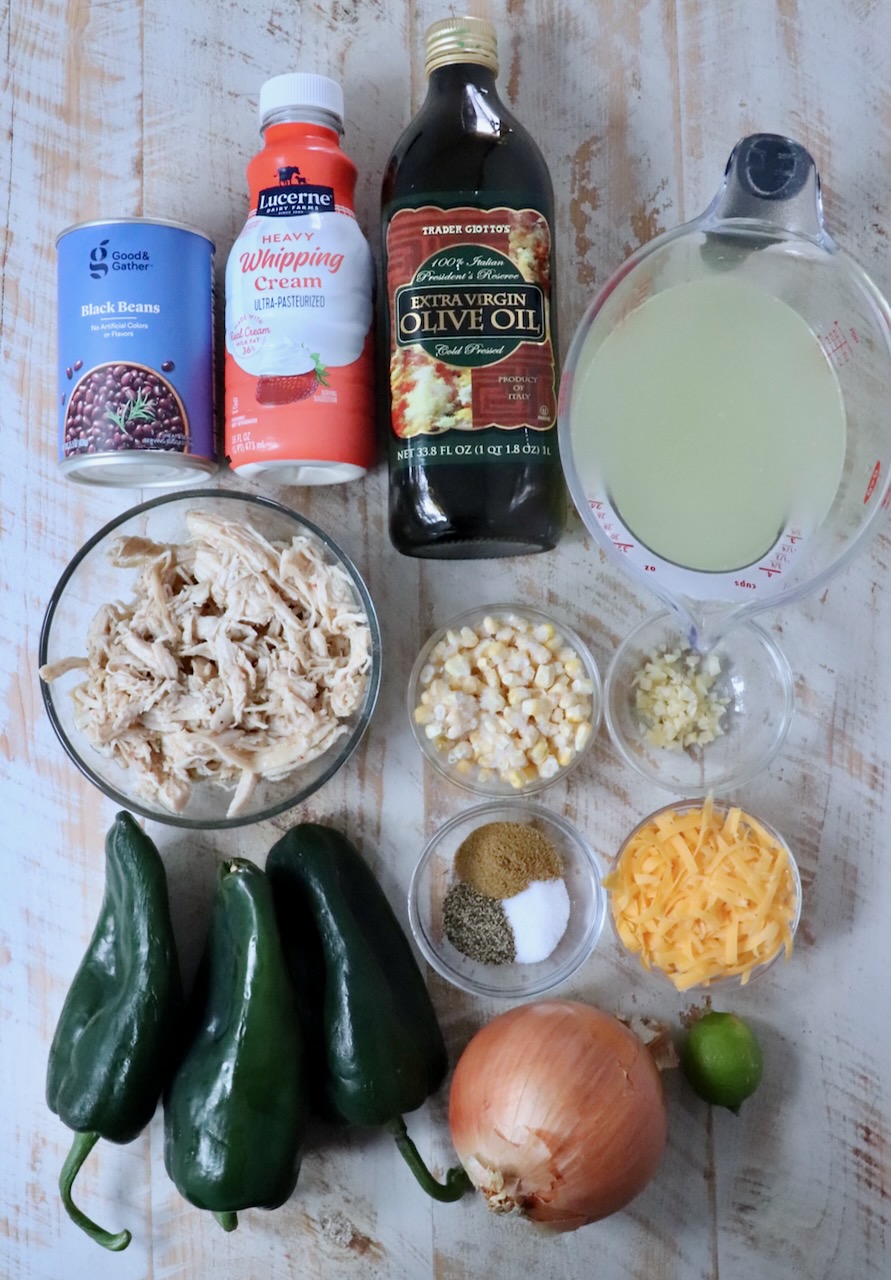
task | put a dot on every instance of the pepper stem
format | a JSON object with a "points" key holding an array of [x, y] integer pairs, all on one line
{"points": [[81, 1147], [227, 1220], [457, 1181]]}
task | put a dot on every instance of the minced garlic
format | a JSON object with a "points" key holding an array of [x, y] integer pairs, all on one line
{"points": [[676, 697]]}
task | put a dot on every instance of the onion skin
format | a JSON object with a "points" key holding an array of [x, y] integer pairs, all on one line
{"points": [[556, 1111]]}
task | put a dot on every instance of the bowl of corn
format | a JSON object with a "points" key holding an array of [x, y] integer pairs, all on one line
{"points": [[504, 700]]}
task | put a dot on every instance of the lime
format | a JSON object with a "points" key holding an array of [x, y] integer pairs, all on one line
{"points": [[721, 1058]]}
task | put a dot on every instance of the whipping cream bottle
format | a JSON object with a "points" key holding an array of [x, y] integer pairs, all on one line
{"points": [[299, 397]]}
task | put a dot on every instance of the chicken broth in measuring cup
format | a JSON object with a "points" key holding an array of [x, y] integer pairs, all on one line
{"points": [[711, 422]]}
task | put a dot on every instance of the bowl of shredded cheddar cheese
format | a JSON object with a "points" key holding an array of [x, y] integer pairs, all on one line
{"points": [[705, 894]]}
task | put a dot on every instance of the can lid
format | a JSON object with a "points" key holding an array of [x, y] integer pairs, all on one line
{"points": [[144, 222], [302, 91], [461, 40]]}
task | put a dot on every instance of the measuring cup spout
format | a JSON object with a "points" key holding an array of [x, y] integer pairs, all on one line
{"points": [[705, 625], [772, 181]]}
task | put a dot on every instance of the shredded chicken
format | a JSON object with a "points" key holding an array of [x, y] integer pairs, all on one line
{"points": [[237, 660]]}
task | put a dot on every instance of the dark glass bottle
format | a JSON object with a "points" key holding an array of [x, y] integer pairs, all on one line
{"points": [[469, 318]]}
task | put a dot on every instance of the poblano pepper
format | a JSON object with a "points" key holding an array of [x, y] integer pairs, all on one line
{"points": [[381, 1052], [115, 1038], [235, 1111]]}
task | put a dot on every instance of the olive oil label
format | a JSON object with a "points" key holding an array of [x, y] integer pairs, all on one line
{"points": [[471, 349]]}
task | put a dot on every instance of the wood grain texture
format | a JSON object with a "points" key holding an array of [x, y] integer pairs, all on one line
{"points": [[150, 108]]}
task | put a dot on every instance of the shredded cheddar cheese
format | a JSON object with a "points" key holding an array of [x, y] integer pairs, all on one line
{"points": [[704, 893]]}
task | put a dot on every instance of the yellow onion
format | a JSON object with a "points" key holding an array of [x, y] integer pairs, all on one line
{"points": [[556, 1112]]}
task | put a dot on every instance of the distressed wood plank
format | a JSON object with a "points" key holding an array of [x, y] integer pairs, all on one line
{"points": [[825, 792]]}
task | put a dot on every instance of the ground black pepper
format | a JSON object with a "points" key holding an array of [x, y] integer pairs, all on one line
{"points": [[477, 926]]}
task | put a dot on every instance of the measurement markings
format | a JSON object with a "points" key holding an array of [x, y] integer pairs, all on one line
{"points": [[837, 345]]}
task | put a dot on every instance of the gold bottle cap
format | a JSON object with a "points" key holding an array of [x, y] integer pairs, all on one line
{"points": [[461, 40]]}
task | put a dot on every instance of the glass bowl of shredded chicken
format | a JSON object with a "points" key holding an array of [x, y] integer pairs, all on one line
{"points": [[697, 722], [210, 658]]}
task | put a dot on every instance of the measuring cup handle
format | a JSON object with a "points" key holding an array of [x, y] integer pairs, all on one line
{"points": [[774, 180]]}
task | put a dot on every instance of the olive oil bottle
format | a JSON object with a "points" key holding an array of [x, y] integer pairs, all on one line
{"points": [[469, 317]]}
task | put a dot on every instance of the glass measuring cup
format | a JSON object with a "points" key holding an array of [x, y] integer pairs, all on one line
{"points": [[723, 415]]}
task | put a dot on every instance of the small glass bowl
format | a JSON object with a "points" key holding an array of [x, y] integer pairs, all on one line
{"points": [[721, 808], [434, 875], [468, 774], [91, 580], [754, 678]]}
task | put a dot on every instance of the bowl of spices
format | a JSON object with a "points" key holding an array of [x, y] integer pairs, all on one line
{"points": [[506, 900], [504, 700]]}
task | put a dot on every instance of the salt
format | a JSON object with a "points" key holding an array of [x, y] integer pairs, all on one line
{"points": [[538, 917]]}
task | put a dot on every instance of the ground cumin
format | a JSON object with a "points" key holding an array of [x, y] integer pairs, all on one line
{"points": [[501, 859]]}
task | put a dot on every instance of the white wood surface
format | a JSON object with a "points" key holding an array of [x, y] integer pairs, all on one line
{"points": [[150, 108]]}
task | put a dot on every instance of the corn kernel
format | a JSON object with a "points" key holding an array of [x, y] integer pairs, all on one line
{"points": [[517, 695], [491, 699], [458, 665]]}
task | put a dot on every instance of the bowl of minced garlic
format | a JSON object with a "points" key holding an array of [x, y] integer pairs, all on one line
{"points": [[506, 900], [698, 722], [705, 895]]}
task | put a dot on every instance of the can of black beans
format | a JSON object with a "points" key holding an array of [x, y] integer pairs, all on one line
{"points": [[136, 373]]}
